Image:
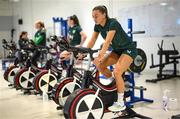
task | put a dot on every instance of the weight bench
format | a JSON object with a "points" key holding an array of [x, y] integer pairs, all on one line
{"points": [[171, 57]]}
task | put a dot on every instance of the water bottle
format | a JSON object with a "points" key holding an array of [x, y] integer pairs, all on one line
{"points": [[45, 96], [165, 100]]}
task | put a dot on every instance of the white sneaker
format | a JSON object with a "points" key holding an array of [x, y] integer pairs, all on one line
{"points": [[117, 106]]}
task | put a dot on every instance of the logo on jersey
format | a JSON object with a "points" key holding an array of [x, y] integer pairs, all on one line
{"points": [[129, 51], [74, 31]]}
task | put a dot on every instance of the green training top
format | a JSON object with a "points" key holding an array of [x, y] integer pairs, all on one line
{"points": [[40, 37], [121, 40], [74, 35]]}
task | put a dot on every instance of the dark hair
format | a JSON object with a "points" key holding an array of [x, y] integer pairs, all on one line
{"points": [[102, 9], [22, 33], [75, 19]]}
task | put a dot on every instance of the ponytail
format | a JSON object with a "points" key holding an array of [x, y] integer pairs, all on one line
{"points": [[102, 9], [22, 33], [75, 19]]}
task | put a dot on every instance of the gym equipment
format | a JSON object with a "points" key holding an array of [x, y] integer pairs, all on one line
{"points": [[72, 79], [171, 57], [69, 83], [10, 73], [93, 98], [130, 88], [129, 113], [6, 62], [10, 47], [12, 70], [137, 66], [59, 93], [63, 27], [24, 77], [176, 116], [108, 91], [45, 80], [139, 62], [18, 64]]}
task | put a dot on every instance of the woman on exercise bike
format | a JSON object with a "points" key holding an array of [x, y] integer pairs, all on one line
{"points": [[23, 43], [39, 40], [23, 40], [76, 36], [122, 55]]}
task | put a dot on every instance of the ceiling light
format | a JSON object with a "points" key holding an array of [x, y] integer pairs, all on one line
{"points": [[163, 3], [14, 0]]}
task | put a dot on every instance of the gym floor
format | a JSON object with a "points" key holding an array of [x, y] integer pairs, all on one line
{"points": [[15, 105]]}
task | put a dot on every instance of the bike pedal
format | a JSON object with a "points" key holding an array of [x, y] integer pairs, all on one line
{"points": [[59, 107], [10, 85], [36, 93], [50, 98], [18, 88], [120, 113], [27, 93]]}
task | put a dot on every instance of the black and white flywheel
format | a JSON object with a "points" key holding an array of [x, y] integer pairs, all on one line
{"points": [[84, 104], [69, 86], [11, 74], [47, 82], [26, 79]]}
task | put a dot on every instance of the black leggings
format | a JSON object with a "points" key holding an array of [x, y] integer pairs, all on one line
{"points": [[35, 57]]}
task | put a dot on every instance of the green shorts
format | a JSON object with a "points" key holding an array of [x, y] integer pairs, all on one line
{"points": [[131, 52]]}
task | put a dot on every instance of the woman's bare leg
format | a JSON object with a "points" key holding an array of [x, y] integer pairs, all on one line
{"points": [[109, 60]]}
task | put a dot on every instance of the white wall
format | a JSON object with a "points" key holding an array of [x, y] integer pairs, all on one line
{"points": [[120, 4], [148, 44], [32, 10], [5, 10]]}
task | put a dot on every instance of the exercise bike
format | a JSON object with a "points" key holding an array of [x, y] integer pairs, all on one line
{"points": [[24, 77], [45, 80], [71, 79], [70, 82], [10, 47], [92, 99], [11, 71]]}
